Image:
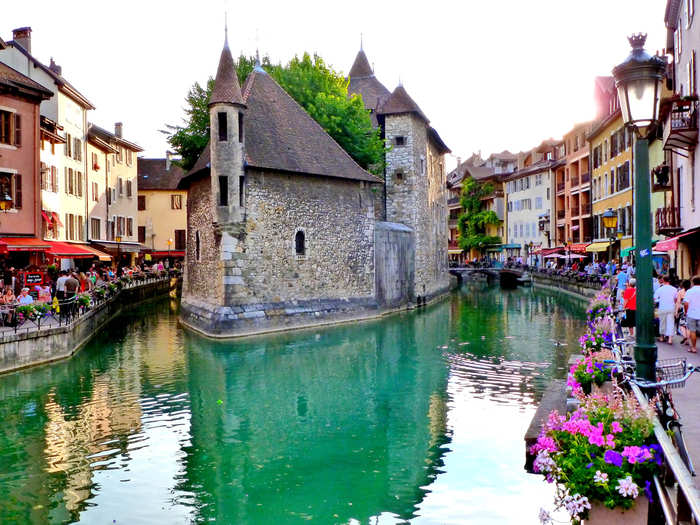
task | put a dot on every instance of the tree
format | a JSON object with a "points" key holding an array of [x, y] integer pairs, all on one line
{"points": [[320, 90], [473, 220]]}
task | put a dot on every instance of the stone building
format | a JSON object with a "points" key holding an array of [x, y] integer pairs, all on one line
{"points": [[415, 179], [281, 221]]}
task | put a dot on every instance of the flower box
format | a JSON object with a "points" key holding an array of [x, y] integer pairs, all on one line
{"points": [[601, 515]]}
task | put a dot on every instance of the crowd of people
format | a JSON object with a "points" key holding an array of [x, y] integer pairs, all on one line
{"points": [[677, 306]]}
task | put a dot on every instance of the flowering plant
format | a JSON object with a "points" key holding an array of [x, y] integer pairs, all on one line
{"points": [[599, 307], [593, 340], [588, 370], [601, 452]]}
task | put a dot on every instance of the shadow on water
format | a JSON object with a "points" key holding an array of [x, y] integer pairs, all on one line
{"points": [[353, 422]]}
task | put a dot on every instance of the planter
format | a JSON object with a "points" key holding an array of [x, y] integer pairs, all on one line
{"points": [[637, 515], [604, 389]]}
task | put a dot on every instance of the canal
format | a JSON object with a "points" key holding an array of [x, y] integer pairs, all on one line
{"points": [[416, 418]]}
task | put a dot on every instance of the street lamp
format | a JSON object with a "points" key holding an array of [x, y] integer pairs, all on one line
{"points": [[610, 224], [118, 240], [639, 80]]}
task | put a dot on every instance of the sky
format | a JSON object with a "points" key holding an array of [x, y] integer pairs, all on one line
{"points": [[490, 75]]}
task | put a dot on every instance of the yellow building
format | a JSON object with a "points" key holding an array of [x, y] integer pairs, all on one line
{"points": [[162, 209], [120, 238], [611, 154]]}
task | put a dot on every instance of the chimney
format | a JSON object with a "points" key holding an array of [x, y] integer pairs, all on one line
{"points": [[23, 36], [168, 159], [118, 129], [53, 66]]}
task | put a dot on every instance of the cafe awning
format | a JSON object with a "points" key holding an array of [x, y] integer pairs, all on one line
{"points": [[454, 252], [121, 247], [578, 247], [65, 250], [181, 253], [25, 244], [511, 246], [598, 246], [626, 251], [671, 244], [102, 256]]}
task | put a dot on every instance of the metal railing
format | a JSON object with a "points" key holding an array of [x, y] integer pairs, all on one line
{"points": [[585, 177], [452, 200], [684, 115], [22, 319], [560, 186], [561, 214], [574, 181]]}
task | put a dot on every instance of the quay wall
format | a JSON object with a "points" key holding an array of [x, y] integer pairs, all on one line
{"points": [[579, 290], [27, 348]]}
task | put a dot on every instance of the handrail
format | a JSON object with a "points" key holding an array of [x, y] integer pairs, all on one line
{"points": [[673, 459]]}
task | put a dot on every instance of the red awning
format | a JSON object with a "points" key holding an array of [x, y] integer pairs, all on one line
{"points": [[57, 219], [25, 244], [671, 244], [171, 253], [66, 250], [45, 216], [547, 251]]}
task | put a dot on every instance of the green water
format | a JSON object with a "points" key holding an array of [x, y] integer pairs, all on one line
{"points": [[415, 418]]}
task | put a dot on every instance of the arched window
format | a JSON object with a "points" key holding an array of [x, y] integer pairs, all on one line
{"points": [[300, 243]]}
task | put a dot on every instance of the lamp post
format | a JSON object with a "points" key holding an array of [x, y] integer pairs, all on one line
{"points": [[610, 224], [639, 81], [118, 240]]}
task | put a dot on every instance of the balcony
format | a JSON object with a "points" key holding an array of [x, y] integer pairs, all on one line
{"points": [[452, 224], [561, 214], [574, 211], [585, 178], [681, 128], [668, 220], [574, 181], [585, 209], [560, 187], [453, 202]]}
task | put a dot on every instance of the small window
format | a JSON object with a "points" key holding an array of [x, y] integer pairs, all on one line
{"points": [[241, 191], [180, 238], [240, 126], [400, 140], [223, 190], [300, 243], [142, 234], [175, 202], [223, 127], [196, 246], [399, 175], [142, 202]]}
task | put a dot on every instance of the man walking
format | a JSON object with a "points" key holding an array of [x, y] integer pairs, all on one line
{"points": [[691, 303], [61, 285], [71, 286], [666, 295]]}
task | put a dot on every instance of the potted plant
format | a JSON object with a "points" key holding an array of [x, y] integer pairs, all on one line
{"points": [[602, 458], [84, 301], [590, 370]]}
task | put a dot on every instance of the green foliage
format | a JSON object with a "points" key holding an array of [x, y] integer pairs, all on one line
{"points": [[319, 89], [472, 223]]}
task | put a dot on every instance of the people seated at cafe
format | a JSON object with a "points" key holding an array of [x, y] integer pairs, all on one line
{"points": [[24, 297]]}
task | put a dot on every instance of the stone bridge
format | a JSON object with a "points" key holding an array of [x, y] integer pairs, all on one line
{"points": [[508, 277]]}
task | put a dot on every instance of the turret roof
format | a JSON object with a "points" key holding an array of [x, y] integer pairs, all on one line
{"points": [[226, 87], [401, 102], [361, 67]]}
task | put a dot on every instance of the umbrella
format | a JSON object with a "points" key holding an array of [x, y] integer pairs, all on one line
{"points": [[576, 256], [554, 256]]}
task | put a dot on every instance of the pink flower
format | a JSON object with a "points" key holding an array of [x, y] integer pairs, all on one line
{"points": [[616, 427]]}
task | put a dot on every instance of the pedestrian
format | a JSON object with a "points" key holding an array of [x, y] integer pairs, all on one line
{"points": [[665, 296], [691, 303], [680, 311], [630, 303], [71, 285], [621, 284], [61, 285]]}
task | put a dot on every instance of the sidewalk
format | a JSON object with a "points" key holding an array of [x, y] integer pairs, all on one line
{"points": [[687, 400]]}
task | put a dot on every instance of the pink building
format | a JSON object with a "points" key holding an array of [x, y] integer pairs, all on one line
{"points": [[20, 202]]}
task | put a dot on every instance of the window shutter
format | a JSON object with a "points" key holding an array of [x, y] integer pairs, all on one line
{"points": [[18, 191], [18, 130], [65, 177]]}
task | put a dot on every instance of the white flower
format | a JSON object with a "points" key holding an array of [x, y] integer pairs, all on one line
{"points": [[600, 477], [545, 518], [576, 505], [627, 487], [543, 462]]}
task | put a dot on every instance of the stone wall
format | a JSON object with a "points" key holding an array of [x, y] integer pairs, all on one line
{"points": [[416, 197], [394, 263], [203, 277]]}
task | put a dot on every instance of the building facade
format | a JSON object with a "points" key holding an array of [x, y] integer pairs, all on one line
{"points": [[20, 212], [612, 179], [162, 208], [679, 216]]}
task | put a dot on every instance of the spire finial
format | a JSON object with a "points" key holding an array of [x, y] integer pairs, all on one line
{"points": [[400, 82], [226, 28], [257, 57], [361, 42]]}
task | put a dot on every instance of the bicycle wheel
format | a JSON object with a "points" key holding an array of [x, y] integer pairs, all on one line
{"points": [[680, 445]]}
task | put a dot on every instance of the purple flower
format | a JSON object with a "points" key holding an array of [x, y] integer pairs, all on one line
{"points": [[589, 465], [613, 458], [647, 491]]}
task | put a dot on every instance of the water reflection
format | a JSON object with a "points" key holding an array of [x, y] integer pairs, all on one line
{"points": [[418, 417]]}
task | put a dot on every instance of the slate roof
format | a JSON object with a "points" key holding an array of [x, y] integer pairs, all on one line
{"points": [[437, 140], [400, 102], [364, 83], [152, 174], [108, 136], [226, 86], [17, 82], [281, 135], [361, 67]]}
